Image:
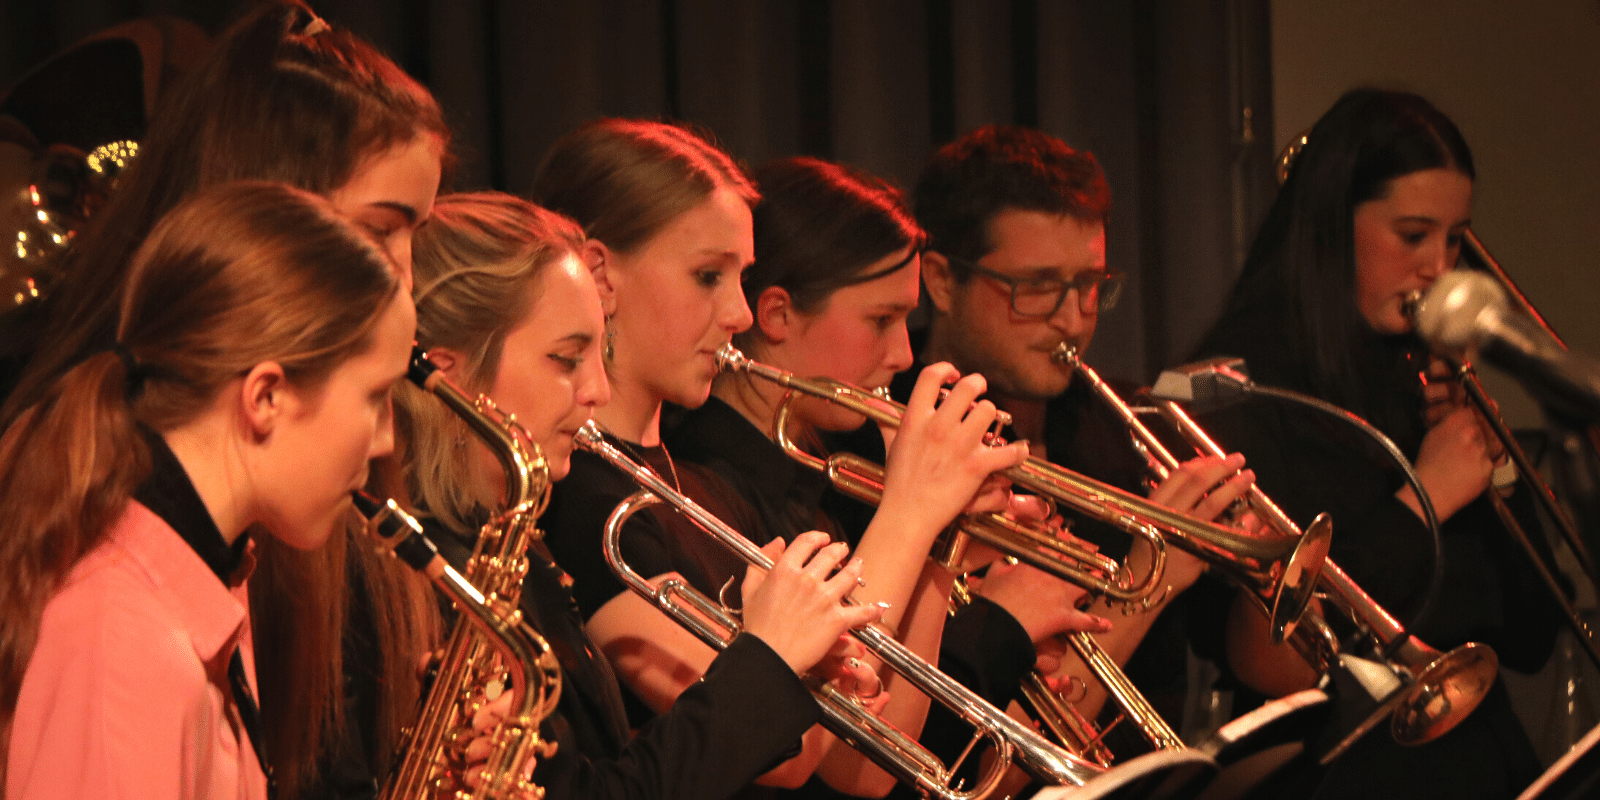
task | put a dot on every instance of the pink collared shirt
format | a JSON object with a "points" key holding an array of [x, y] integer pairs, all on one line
{"points": [[127, 694]]}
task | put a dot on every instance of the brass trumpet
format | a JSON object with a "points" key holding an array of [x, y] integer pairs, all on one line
{"points": [[1037, 545], [1424, 692], [1057, 715], [1014, 742], [1281, 571], [1033, 544]]}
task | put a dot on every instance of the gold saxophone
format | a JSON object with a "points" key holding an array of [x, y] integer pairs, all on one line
{"points": [[433, 756]]}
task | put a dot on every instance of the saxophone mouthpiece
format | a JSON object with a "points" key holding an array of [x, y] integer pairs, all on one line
{"points": [[1065, 354]]}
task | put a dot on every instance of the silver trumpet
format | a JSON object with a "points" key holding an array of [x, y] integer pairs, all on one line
{"points": [[1013, 741], [1424, 692]]}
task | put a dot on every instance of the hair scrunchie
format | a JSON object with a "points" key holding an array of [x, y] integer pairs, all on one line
{"points": [[136, 373]]}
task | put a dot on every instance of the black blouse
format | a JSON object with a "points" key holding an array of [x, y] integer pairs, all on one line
{"points": [[1310, 465]]}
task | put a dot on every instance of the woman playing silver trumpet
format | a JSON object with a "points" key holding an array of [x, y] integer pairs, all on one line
{"points": [[670, 235], [509, 310]]}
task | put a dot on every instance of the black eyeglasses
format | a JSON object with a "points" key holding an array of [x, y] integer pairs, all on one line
{"points": [[1042, 297]]}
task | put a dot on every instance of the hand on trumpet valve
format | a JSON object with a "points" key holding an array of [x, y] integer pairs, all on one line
{"points": [[940, 463], [847, 668], [1045, 606], [796, 608], [1207, 488]]}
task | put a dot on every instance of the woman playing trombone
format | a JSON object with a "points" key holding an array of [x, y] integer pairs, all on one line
{"points": [[506, 308], [1373, 210]]}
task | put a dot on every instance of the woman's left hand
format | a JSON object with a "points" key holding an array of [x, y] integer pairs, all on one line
{"points": [[485, 720]]}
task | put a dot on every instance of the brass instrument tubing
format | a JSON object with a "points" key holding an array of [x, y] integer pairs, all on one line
{"points": [[1128, 696], [1012, 739], [497, 567], [1037, 546]]}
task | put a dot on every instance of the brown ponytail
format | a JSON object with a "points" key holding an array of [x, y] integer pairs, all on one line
{"points": [[240, 274]]}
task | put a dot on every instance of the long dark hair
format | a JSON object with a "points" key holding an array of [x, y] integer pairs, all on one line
{"points": [[1301, 268], [818, 227], [242, 273]]}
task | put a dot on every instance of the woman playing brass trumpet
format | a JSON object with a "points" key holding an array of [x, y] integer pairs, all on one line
{"points": [[1373, 209], [837, 271], [508, 310], [668, 216]]}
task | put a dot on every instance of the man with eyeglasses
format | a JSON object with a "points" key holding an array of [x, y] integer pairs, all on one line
{"points": [[1015, 268]]}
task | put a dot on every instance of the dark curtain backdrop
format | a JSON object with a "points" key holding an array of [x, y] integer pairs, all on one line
{"points": [[1173, 97]]}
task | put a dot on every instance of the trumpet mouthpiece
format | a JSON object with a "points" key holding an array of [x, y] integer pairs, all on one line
{"points": [[729, 359], [1408, 305], [1065, 354]]}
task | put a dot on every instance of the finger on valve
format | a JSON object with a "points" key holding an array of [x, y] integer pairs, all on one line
{"points": [[795, 608]]}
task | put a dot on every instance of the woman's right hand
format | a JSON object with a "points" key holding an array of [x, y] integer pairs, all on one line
{"points": [[1454, 463], [795, 608], [940, 458]]}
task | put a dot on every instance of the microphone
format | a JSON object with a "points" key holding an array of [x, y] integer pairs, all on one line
{"points": [[1205, 385], [1466, 312]]}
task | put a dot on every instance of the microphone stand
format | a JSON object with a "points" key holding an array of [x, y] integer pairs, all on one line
{"points": [[1569, 531]]}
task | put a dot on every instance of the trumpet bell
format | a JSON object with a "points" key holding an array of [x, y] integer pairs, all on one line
{"points": [[1298, 583], [1446, 691]]}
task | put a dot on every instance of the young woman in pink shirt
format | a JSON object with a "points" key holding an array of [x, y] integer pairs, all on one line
{"points": [[260, 336]]}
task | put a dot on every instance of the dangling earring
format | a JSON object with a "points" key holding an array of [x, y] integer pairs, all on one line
{"points": [[608, 347]]}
